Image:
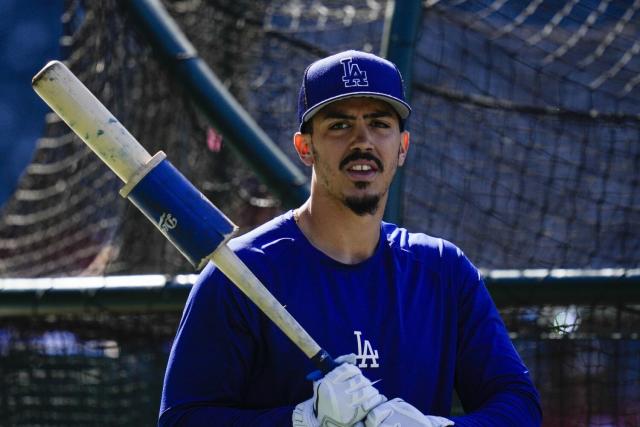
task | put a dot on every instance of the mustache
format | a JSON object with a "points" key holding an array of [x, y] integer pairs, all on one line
{"points": [[360, 155]]}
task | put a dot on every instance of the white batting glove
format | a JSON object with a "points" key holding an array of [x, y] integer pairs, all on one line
{"points": [[398, 413], [340, 399]]}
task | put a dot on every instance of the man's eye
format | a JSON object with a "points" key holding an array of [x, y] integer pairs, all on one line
{"points": [[339, 125], [379, 124]]}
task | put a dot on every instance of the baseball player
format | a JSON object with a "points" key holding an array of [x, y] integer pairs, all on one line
{"points": [[409, 312]]}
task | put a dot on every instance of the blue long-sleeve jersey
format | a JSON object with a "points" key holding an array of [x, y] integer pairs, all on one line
{"points": [[416, 314]]}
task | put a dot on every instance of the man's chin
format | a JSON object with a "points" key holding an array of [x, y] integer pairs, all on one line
{"points": [[363, 205]]}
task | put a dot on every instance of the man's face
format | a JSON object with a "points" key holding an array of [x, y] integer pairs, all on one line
{"points": [[355, 150]]}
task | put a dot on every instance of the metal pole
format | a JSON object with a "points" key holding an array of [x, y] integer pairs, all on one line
{"points": [[398, 46], [221, 108], [157, 293]]}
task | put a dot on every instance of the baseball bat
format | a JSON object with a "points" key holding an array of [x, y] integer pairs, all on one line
{"points": [[182, 213]]}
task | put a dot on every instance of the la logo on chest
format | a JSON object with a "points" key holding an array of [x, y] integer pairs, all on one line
{"points": [[366, 357]]}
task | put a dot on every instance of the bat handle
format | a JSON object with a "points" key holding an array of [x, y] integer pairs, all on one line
{"points": [[325, 364]]}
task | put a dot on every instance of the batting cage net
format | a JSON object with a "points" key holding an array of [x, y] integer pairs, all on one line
{"points": [[101, 369], [526, 132], [525, 153]]}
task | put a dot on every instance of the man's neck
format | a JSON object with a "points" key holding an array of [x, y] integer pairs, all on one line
{"points": [[338, 232]]}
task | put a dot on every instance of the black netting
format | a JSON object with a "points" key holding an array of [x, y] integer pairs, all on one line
{"points": [[524, 146], [102, 368], [526, 132], [585, 361], [525, 153], [66, 217]]}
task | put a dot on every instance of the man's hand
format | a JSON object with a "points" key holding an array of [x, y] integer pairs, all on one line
{"points": [[398, 413], [342, 398]]}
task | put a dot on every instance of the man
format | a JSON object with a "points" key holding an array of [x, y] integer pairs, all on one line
{"points": [[411, 309]]}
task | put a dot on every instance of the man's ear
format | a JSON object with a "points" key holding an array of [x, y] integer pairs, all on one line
{"points": [[404, 147], [302, 144]]}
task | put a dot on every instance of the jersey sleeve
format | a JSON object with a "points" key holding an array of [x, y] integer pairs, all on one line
{"points": [[211, 360], [491, 380]]}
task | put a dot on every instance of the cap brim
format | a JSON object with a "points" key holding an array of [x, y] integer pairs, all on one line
{"points": [[402, 108]]}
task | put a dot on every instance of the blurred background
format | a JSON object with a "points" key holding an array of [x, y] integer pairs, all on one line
{"points": [[525, 153], [29, 36]]}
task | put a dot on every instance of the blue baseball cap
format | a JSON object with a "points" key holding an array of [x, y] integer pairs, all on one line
{"points": [[349, 74]]}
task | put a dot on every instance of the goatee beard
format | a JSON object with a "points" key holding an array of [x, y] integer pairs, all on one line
{"points": [[363, 205]]}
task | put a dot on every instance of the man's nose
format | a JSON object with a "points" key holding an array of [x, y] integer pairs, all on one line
{"points": [[361, 136]]}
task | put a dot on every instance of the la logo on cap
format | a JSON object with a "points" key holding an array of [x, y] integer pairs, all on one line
{"points": [[352, 75]]}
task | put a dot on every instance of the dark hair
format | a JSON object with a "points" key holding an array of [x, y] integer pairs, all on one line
{"points": [[306, 127]]}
